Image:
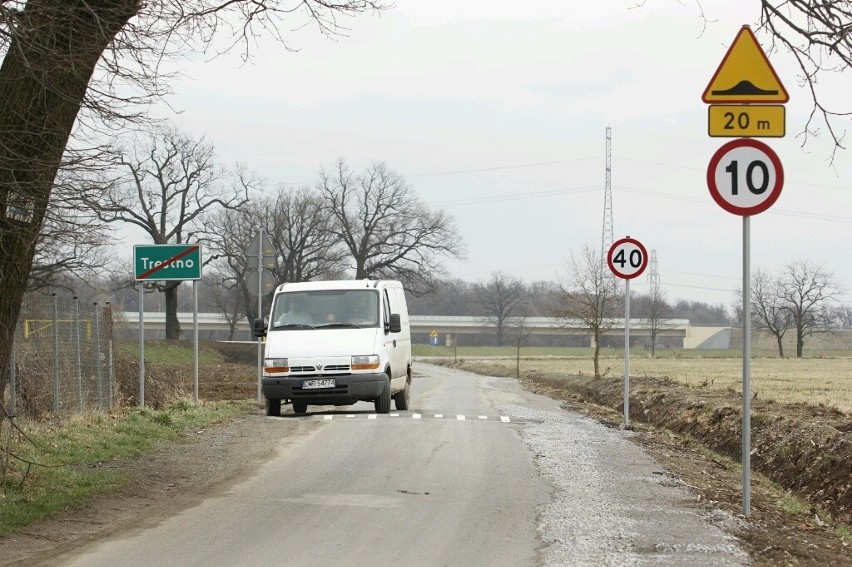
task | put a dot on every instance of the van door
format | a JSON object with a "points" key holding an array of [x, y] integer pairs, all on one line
{"points": [[390, 338], [399, 305]]}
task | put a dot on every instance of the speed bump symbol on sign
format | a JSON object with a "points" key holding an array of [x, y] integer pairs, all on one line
{"points": [[745, 75]]}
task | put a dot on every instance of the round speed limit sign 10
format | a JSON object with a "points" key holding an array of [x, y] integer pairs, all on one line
{"points": [[627, 258], [745, 177]]}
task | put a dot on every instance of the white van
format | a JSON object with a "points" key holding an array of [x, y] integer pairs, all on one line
{"points": [[337, 343]]}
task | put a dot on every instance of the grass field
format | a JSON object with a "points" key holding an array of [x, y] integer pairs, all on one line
{"points": [[824, 377], [63, 475]]}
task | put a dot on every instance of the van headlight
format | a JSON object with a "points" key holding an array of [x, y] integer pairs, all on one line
{"points": [[365, 362], [276, 365]]}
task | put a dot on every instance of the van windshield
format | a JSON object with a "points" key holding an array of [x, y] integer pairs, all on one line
{"points": [[325, 309]]}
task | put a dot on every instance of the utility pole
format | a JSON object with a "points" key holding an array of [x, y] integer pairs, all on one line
{"points": [[606, 230], [654, 275]]}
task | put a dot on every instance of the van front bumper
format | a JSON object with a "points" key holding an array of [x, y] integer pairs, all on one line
{"points": [[348, 388]]}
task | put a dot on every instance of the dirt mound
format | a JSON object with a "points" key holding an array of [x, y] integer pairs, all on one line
{"points": [[806, 449]]}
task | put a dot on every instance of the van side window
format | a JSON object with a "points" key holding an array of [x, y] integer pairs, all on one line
{"points": [[387, 307]]}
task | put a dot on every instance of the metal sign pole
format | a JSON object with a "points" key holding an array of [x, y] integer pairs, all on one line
{"points": [[626, 353], [195, 341], [746, 460], [259, 311], [141, 344]]}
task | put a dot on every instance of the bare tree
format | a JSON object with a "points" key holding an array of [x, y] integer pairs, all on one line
{"points": [[100, 57], [227, 300], [166, 184], [817, 34], [452, 297], [300, 228], [502, 297], [519, 331], [769, 311], [806, 291], [384, 227], [657, 310], [843, 316], [230, 232], [296, 223], [73, 244], [589, 293]]}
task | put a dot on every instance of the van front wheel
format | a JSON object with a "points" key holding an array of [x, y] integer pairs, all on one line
{"points": [[273, 407], [300, 407], [383, 402]]}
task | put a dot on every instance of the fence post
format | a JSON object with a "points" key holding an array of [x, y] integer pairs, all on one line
{"points": [[55, 354], [110, 361], [98, 365], [78, 368]]}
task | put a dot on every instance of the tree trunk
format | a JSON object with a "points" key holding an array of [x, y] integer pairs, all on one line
{"points": [[172, 323], [43, 80], [780, 346], [360, 269], [800, 343], [653, 341], [597, 353], [518, 361]]}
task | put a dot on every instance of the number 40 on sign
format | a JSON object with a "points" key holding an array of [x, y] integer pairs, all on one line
{"points": [[627, 258]]}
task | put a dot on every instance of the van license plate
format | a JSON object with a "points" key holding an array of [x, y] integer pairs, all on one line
{"points": [[313, 384]]}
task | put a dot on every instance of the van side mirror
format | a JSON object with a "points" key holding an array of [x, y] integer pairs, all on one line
{"points": [[258, 328], [395, 325]]}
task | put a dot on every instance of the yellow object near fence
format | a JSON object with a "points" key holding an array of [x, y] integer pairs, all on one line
{"points": [[40, 327]]}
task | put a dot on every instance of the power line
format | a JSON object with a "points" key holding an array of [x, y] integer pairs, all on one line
{"points": [[501, 167], [520, 196]]}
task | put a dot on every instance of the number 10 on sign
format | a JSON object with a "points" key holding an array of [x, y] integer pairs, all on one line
{"points": [[745, 177]]}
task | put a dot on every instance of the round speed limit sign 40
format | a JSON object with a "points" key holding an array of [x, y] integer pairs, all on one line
{"points": [[745, 177], [627, 258]]}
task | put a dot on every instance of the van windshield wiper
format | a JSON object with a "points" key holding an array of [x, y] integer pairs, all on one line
{"points": [[340, 326], [293, 326]]}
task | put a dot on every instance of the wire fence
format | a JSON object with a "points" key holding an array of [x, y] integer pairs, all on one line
{"points": [[62, 358]]}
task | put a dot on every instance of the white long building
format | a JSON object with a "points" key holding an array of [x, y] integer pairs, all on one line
{"points": [[676, 333]]}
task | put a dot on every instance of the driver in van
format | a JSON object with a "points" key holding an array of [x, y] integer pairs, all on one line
{"points": [[296, 315], [364, 312]]}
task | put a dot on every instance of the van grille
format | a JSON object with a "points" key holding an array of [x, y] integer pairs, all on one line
{"points": [[329, 368]]}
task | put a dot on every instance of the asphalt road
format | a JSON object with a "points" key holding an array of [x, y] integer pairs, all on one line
{"points": [[479, 472]]}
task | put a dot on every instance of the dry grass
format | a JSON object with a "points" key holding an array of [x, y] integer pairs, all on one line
{"points": [[813, 381]]}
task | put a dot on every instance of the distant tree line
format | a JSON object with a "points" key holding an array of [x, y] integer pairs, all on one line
{"points": [[460, 297], [169, 187], [801, 298]]}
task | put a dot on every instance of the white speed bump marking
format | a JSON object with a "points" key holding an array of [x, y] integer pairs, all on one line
{"points": [[459, 417]]}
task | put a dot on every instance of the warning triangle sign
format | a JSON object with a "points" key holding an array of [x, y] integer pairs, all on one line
{"points": [[745, 75]]}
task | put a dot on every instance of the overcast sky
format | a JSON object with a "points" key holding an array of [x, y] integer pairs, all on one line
{"points": [[497, 112]]}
